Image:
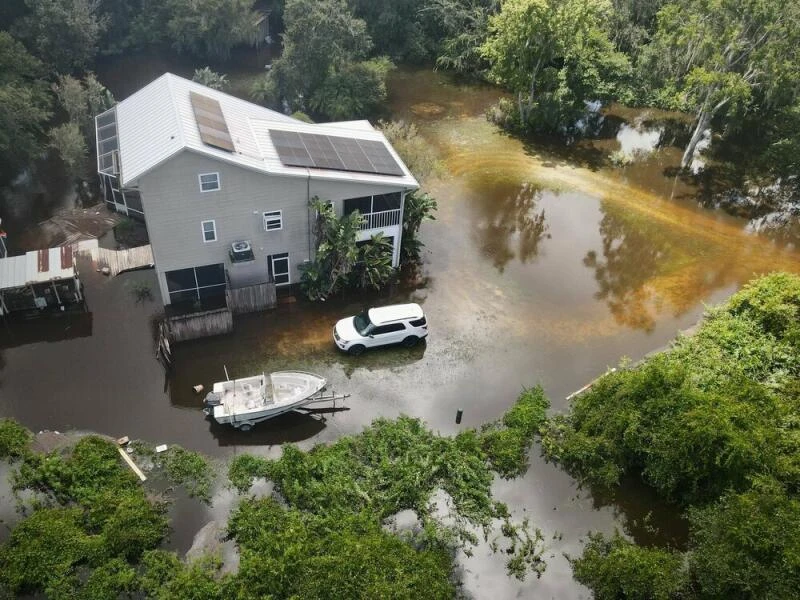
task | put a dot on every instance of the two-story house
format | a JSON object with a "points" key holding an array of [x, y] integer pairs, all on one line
{"points": [[224, 185]]}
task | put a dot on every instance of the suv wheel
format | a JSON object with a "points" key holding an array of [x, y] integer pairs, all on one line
{"points": [[355, 349], [410, 341], [245, 427]]}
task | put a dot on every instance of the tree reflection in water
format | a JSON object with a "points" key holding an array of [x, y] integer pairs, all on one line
{"points": [[647, 267], [510, 219], [633, 255]]}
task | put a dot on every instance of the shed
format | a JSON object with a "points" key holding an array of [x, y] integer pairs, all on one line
{"points": [[38, 280]]}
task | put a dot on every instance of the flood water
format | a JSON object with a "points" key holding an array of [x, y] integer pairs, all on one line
{"points": [[543, 267]]}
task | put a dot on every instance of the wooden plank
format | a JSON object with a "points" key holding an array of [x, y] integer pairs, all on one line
{"points": [[118, 261], [132, 464], [252, 298]]}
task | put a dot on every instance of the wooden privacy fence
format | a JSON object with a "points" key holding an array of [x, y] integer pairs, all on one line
{"points": [[251, 298], [201, 324], [118, 261]]}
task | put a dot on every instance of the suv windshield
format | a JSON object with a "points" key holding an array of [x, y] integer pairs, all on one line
{"points": [[362, 323]]}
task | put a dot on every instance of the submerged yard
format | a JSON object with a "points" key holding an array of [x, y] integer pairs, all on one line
{"points": [[540, 269]]}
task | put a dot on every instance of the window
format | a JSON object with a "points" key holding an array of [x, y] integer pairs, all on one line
{"points": [[390, 328], [372, 204], [209, 231], [279, 268], [196, 283], [273, 220], [209, 182]]}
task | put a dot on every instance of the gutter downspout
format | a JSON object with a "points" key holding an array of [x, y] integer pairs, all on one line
{"points": [[308, 212]]}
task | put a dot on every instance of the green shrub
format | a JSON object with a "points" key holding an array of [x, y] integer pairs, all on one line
{"points": [[616, 569], [188, 469], [747, 545], [508, 441], [246, 467], [14, 439]]}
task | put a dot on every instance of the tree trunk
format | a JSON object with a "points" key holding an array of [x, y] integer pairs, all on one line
{"points": [[703, 121]]}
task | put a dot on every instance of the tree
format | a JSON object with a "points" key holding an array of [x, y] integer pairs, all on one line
{"points": [[68, 141], [355, 90], [718, 54], [374, 267], [63, 33], [336, 254], [210, 28], [321, 37], [24, 106], [340, 261], [209, 78], [465, 24], [399, 28], [418, 207], [554, 56]]}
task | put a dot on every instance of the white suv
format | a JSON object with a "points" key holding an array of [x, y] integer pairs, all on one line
{"points": [[397, 324]]}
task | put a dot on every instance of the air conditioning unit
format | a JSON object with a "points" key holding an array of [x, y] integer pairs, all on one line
{"points": [[241, 251]]}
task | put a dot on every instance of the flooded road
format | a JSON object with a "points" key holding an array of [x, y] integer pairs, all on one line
{"points": [[543, 266]]}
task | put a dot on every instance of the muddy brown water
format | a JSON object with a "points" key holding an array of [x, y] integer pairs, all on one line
{"points": [[543, 266]]}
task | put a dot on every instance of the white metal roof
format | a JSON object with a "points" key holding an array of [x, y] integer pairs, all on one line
{"points": [[158, 122], [19, 271], [395, 312]]}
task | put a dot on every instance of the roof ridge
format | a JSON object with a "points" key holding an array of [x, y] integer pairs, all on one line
{"points": [[173, 100]]}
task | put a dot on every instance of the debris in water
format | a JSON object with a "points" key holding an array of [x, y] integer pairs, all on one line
{"points": [[123, 440], [161, 448], [197, 389]]}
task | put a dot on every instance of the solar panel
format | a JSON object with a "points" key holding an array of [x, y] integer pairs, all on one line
{"points": [[335, 153], [322, 152], [380, 157], [291, 149], [211, 122]]}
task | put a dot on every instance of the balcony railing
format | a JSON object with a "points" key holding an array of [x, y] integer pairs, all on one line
{"points": [[379, 220]]}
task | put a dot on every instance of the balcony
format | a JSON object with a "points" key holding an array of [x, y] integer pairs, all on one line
{"points": [[381, 220]]}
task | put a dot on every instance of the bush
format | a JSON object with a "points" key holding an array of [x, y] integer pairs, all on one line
{"points": [[188, 469], [747, 545], [14, 439], [616, 569], [419, 156], [508, 441], [702, 417], [246, 467]]}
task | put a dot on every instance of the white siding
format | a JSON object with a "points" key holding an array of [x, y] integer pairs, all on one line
{"points": [[174, 208]]}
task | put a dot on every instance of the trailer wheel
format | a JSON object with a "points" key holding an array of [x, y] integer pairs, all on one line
{"points": [[245, 427]]}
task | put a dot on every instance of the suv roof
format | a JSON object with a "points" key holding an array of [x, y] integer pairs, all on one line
{"points": [[395, 312]]}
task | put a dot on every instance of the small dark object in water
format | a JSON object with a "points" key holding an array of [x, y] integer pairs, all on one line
{"points": [[459, 413]]}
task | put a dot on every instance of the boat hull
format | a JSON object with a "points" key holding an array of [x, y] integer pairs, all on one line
{"points": [[244, 402]]}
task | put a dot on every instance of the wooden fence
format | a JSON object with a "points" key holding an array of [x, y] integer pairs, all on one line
{"points": [[201, 324], [251, 298], [118, 261]]}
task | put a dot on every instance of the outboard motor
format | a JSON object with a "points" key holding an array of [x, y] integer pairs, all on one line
{"points": [[211, 400]]}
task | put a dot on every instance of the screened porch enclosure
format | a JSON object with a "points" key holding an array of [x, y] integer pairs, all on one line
{"points": [[126, 201], [379, 211]]}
